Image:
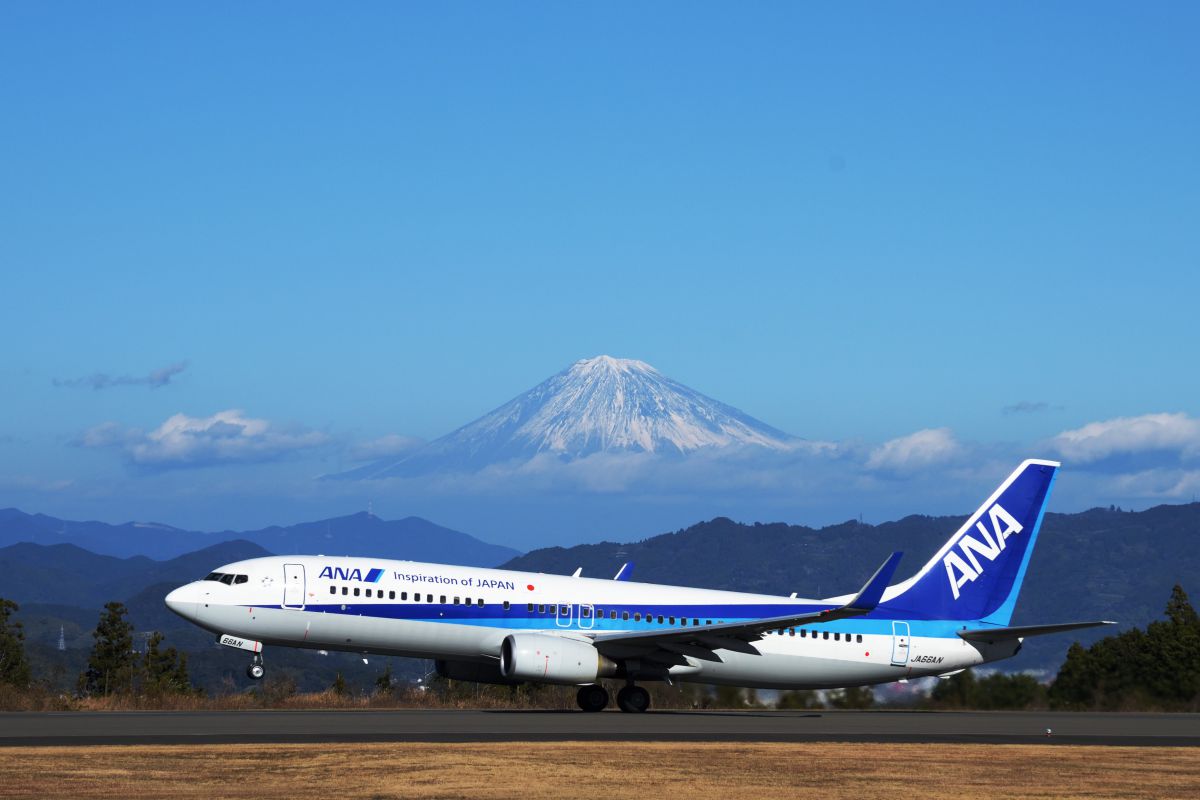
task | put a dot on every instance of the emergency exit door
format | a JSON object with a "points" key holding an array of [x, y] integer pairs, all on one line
{"points": [[293, 586]]}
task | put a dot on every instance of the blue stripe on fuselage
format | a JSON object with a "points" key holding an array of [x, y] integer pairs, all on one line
{"points": [[519, 618]]}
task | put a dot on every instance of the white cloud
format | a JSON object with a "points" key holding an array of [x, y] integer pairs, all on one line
{"points": [[391, 445], [920, 449], [1130, 435], [182, 441]]}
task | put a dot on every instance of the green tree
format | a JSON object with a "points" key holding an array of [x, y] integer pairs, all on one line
{"points": [[383, 681], [112, 663], [164, 671], [853, 697], [1158, 668], [339, 685], [14, 667]]}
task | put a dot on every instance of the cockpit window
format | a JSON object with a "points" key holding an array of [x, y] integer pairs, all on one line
{"points": [[226, 578]]}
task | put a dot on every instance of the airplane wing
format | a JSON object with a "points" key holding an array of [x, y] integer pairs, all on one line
{"points": [[669, 646], [992, 635]]}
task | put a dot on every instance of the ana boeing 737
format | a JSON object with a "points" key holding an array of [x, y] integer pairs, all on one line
{"points": [[502, 626]]}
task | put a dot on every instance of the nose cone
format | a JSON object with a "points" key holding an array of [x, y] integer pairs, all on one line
{"points": [[183, 602]]}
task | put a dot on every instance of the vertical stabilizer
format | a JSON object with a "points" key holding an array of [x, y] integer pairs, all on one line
{"points": [[977, 574]]}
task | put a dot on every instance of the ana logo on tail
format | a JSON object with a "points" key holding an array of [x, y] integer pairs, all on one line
{"points": [[969, 568]]}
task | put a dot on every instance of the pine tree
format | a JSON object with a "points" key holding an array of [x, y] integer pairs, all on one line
{"points": [[383, 683], [164, 671], [111, 664], [14, 667]]}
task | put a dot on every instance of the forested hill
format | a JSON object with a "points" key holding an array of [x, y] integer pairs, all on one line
{"points": [[1098, 564]]}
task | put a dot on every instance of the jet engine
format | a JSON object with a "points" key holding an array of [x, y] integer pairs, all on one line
{"points": [[552, 659]]}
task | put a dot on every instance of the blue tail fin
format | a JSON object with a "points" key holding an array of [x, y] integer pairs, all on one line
{"points": [[978, 573]]}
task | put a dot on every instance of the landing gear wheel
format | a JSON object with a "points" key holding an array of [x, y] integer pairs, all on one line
{"points": [[592, 697], [256, 670], [633, 699]]}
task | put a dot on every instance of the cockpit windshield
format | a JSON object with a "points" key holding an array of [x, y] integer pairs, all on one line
{"points": [[227, 578]]}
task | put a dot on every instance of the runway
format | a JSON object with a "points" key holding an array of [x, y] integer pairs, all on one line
{"points": [[260, 727]]}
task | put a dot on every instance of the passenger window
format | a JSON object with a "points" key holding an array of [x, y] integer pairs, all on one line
{"points": [[564, 611], [480, 603], [860, 638], [587, 612], [428, 598], [530, 608], [637, 616], [599, 613], [837, 637], [356, 591], [443, 600], [624, 615], [507, 605], [791, 631], [660, 619], [333, 590], [669, 619], [708, 622], [345, 590], [541, 608], [825, 634], [695, 622], [803, 633], [391, 595], [456, 601], [683, 621], [404, 595], [613, 615]]}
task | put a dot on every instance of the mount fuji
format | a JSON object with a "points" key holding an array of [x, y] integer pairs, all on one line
{"points": [[597, 405]]}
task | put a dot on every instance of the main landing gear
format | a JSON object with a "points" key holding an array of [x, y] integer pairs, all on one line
{"points": [[633, 699], [592, 697], [256, 670]]}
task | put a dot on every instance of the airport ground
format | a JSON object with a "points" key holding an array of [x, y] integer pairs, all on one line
{"points": [[533, 770]]}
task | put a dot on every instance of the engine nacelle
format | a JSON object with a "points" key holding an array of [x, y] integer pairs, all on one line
{"points": [[552, 659], [474, 671]]}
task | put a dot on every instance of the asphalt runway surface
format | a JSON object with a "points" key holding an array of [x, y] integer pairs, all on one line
{"points": [[260, 727]]}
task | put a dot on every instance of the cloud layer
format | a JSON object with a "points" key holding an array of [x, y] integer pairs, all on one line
{"points": [[226, 437], [155, 379], [1125, 436], [920, 449]]}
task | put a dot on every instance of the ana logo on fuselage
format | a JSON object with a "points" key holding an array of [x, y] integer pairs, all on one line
{"points": [[960, 569], [347, 574]]}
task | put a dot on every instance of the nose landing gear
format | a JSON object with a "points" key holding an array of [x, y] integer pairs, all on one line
{"points": [[256, 670]]}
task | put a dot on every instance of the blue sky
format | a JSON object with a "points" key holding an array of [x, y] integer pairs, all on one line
{"points": [[854, 223]]}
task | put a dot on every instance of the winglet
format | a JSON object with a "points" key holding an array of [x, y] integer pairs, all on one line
{"points": [[624, 572], [872, 592]]}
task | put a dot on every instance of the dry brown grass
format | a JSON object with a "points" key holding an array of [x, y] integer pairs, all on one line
{"points": [[602, 769]]}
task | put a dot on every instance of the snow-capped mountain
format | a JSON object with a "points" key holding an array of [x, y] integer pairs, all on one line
{"points": [[597, 405]]}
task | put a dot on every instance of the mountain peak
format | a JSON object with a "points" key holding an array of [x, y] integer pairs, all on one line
{"points": [[597, 405]]}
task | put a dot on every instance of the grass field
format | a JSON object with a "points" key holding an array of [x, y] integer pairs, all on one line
{"points": [[605, 769]]}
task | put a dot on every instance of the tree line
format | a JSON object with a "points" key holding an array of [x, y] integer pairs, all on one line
{"points": [[114, 666], [1153, 669]]}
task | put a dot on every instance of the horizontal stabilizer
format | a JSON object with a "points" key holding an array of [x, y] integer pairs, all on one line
{"points": [[991, 635]]}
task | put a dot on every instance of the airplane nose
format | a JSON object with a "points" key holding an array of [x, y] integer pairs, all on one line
{"points": [[179, 602]]}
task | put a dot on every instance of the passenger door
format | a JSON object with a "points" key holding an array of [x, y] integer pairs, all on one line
{"points": [[562, 615], [293, 586], [899, 643]]}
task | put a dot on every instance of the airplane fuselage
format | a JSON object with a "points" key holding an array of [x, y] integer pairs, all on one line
{"points": [[462, 615]]}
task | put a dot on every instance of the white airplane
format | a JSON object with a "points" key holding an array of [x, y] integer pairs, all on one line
{"points": [[501, 626]]}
